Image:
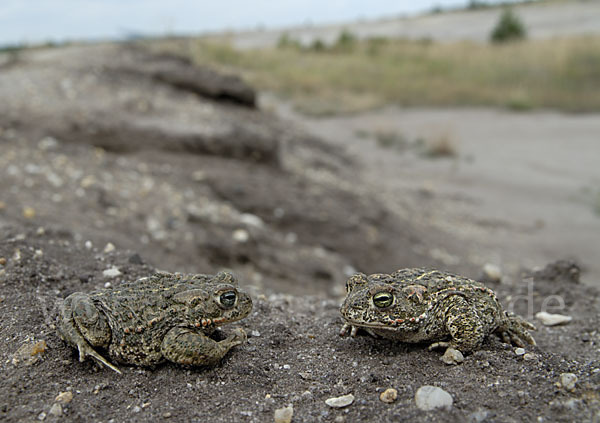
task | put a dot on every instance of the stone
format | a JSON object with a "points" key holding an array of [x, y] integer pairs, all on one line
{"points": [[452, 356], [284, 415], [64, 397], [492, 273], [340, 402], [568, 381], [28, 212], [431, 397], [519, 351], [111, 273], [109, 248], [240, 235], [549, 319], [56, 410], [388, 396]]}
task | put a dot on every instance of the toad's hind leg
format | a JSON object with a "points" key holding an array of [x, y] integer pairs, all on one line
{"points": [[463, 324], [184, 346], [78, 317]]}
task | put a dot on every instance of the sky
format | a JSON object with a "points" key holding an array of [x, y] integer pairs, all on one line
{"points": [[35, 21]]}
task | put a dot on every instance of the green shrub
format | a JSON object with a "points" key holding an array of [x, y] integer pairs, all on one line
{"points": [[508, 28], [318, 45], [346, 41], [285, 41]]}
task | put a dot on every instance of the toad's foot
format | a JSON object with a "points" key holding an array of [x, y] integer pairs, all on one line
{"points": [[348, 329], [86, 350], [516, 331]]}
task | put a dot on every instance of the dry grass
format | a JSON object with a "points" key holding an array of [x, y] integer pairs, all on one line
{"points": [[560, 74]]}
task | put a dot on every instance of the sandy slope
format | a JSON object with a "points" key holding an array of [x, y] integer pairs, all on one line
{"points": [[522, 189]]}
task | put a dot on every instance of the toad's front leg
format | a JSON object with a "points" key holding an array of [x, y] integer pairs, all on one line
{"points": [[185, 346]]}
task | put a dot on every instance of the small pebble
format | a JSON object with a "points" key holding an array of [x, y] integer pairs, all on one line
{"points": [[109, 248], [56, 410], [2, 261], [284, 415], [41, 416], [167, 415], [255, 333], [492, 273], [240, 235], [519, 351], [549, 319], [28, 212], [64, 397], [340, 402], [137, 409], [198, 176], [452, 356], [88, 245], [251, 220], [568, 381], [529, 357], [389, 395], [111, 273], [431, 397]]}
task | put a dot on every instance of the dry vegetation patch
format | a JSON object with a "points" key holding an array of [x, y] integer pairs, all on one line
{"points": [[353, 75]]}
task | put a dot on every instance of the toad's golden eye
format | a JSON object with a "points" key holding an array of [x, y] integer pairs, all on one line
{"points": [[383, 299], [227, 299]]}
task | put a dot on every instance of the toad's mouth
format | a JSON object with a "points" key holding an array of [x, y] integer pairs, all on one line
{"points": [[388, 323], [211, 322]]}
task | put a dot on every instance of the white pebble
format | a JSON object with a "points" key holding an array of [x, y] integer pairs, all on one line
{"points": [[549, 319], [251, 220], [452, 356], [284, 415], [111, 273], [88, 245], [56, 410], [519, 351], [240, 235], [340, 402], [109, 248], [255, 333], [568, 381], [431, 397], [492, 272]]}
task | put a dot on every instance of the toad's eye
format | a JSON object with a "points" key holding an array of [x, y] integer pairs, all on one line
{"points": [[227, 299], [383, 299]]}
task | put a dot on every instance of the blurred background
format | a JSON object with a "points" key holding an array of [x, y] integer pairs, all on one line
{"points": [[300, 142]]}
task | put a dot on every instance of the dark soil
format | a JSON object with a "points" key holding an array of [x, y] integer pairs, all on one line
{"points": [[97, 151]]}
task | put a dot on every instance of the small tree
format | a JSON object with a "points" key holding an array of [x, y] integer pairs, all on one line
{"points": [[508, 28]]}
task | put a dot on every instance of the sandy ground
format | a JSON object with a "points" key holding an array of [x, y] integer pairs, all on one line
{"points": [[110, 159], [521, 190], [554, 19]]}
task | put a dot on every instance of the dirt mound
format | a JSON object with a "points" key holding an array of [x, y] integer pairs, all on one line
{"points": [[294, 356], [105, 150]]}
